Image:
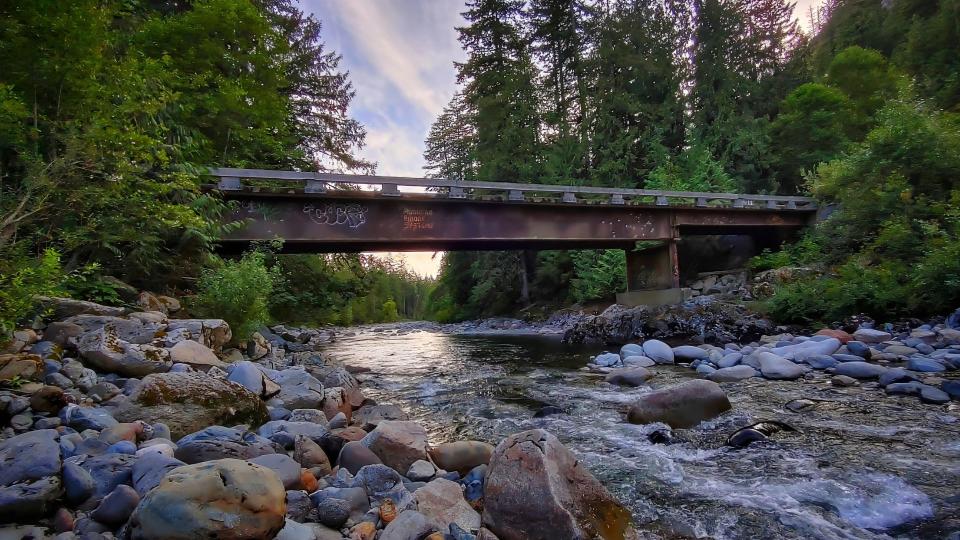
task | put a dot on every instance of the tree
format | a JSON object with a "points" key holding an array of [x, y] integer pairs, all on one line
{"points": [[815, 124], [559, 40], [498, 79], [637, 113], [449, 148], [865, 77]]}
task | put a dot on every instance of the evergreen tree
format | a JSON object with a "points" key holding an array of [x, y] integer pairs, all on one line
{"points": [[449, 148], [559, 38], [636, 110], [498, 79]]}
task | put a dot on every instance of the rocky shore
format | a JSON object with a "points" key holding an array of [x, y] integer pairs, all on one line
{"points": [[917, 362], [137, 424]]}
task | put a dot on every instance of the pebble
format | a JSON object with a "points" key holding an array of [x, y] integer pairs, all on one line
{"points": [[333, 512]]}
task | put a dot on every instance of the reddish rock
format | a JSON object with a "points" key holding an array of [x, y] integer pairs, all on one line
{"points": [[839, 334]]}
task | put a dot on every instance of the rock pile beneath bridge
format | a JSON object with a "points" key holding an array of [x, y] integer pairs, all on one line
{"points": [[120, 424]]}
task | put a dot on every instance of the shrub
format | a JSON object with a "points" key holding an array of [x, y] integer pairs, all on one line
{"points": [[238, 292], [21, 282]]}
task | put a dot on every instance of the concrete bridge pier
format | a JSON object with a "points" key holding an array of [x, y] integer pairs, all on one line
{"points": [[653, 276]]}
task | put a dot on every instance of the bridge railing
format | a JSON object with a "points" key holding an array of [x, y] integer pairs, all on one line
{"points": [[230, 180]]}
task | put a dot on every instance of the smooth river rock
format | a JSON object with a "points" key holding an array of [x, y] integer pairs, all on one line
{"points": [[680, 406], [776, 367], [398, 444], [859, 370], [658, 351], [461, 456], [536, 489], [634, 376], [732, 374], [227, 499]]}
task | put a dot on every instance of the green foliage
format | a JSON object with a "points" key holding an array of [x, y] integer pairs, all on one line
{"points": [[893, 239], [88, 283], [599, 274], [21, 280], [389, 311], [239, 292], [112, 111], [864, 76], [345, 289], [815, 124]]}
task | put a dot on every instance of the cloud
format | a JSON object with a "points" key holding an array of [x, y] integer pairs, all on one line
{"points": [[400, 57]]}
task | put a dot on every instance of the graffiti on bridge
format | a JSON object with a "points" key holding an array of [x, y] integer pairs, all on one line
{"points": [[352, 215]]}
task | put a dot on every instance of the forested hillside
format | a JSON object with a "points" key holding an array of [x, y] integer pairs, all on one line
{"points": [[717, 95], [111, 110]]}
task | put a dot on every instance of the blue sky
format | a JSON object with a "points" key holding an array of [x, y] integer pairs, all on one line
{"points": [[400, 56]]}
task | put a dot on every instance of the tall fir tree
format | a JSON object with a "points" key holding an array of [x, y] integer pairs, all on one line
{"points": [[449, 147], [560, 42], [499, 84]]}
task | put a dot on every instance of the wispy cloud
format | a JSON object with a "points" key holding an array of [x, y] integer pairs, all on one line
{"points": [[400, 56]]}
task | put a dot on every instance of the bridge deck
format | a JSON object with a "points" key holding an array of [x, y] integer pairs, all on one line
{"points": [[315, 212], [259, 180]]}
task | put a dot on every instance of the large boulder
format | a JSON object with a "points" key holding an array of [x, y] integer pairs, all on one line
{"points": [[869, 335], [732, 374], [189, 402], [340, 377], [398, 444], [658, 351], [860, 370], [62, 308], [226, 499], [536, 489], [369, 416], [214, 333], [137, 328], [461, 456], [253, 378], [104, 350], [219, 442], [807, 348], [21, 367], [634, 376], [680, 406]]}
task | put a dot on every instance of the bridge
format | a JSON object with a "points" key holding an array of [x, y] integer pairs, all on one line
{"points": [[327, 212]]}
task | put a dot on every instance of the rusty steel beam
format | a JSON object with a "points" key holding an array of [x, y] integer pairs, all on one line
{"points": [[352, 221]]}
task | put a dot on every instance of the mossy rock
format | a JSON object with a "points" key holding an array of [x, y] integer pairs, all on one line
{"points": [[189, 402]]}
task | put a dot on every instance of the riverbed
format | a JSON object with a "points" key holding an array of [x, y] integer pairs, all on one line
{"points": [[860, 465]]}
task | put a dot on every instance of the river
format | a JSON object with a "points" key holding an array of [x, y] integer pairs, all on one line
{"points": [[860, 465]]}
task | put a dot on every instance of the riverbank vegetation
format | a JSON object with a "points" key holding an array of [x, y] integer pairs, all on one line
{"points": [[719, 95]]}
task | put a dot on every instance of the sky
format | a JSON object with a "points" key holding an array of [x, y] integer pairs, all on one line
{"points": [[400, 55]]}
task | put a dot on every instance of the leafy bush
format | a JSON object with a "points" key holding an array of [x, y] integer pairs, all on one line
{"points": [[894, 241], [88, 284], [238, 292], [20, 282]]}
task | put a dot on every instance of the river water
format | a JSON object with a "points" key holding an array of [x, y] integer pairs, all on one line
{"points": [[860, 465]]}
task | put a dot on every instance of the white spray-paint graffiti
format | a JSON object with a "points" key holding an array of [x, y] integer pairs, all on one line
{"points": [[352, 215]]}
